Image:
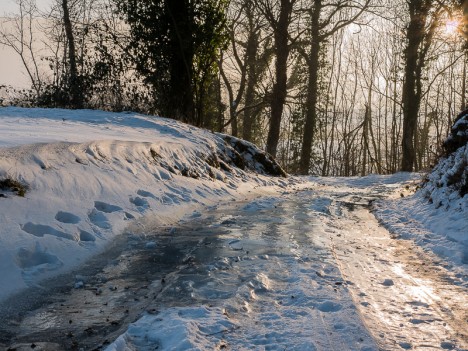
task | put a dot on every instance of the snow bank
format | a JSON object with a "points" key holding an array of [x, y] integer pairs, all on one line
{"points": [[436, 216], [85, 175]]}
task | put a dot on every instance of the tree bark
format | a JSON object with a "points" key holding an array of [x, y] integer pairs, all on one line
{"points": [[312, 90], [418, 41], [251, 60], [181, 103], [410, 105], [365, 140], [278, 96], [76, 94], [463, 104], [465, 21]]}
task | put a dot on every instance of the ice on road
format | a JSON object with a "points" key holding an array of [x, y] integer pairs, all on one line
{"points": [[307, 270]]}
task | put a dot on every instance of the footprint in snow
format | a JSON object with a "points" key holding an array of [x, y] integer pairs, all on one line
{"points": [[405, 345], [170, 199], [26, 258], [99, 219], [105, 207], [195, 214], [129, 216], [388, 282], [446, 345], [141, 203], [201, 194], [40, 230], [236, 245], [228, 222], [328, 306], [182, 192], [67, 217], [86, 236], [144, 193], [162, 174], [150, 245]]}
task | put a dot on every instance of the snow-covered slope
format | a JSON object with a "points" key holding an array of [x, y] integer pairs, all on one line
{"points": [[447, 184], [436, 216], [70, 181]]}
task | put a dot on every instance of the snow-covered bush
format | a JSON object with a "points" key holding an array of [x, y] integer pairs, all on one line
{"points": [[447, 184], [459, 134]]}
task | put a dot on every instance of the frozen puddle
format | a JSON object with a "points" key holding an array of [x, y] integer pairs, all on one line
{"points": [[311, 270]]}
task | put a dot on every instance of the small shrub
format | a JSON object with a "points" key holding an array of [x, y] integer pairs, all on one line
{"points": [[13, 185]]}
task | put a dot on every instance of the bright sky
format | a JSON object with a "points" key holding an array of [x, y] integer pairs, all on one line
{"points": [[11, 70], [11, 6]]}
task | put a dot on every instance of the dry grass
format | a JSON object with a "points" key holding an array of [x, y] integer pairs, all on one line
{"points": [[13, 185]]}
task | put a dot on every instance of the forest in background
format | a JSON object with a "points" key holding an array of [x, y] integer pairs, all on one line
{"points": [[329, 87]]}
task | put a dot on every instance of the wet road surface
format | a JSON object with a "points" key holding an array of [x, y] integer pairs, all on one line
{"points": [[309, 270]]}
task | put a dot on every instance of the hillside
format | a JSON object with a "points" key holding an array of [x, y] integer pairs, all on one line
{"points": [[71, 181]]}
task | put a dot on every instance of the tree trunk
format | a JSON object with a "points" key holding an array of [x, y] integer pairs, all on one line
{"points": [[312, 93], [365, 140], [233, 117], [411, 87], [181, 104], [278, 96], [251, 58], [465, 21], [247, 132], [74, 84], [463, 92], [220, 120]]}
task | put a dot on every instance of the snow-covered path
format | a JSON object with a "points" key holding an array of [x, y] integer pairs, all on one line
{"points": [[408, 297], [307, 270]]}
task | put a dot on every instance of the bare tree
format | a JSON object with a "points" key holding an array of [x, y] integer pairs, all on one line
{"points": [[20, 34], [279, 15], [240, 61], [424, 16], [326, 18], [76, 94], [243, 66]]}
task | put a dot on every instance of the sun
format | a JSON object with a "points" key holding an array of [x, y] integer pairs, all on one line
{"points": [[452, 26]]}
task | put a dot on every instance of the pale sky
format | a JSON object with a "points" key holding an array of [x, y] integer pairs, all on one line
{"points": [[10, 6], [12, 72]]}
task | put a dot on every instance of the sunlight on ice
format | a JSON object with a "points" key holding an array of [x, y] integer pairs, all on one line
{"points": [[420, 290]]}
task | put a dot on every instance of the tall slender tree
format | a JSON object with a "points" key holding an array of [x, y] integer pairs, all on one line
{"points": [[279, 15], [323, 23], [464, 25], [73, 78], [249, 55], [423, 21]]}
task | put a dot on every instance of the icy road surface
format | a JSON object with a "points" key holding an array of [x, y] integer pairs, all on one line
{"points": [[309, 270]]}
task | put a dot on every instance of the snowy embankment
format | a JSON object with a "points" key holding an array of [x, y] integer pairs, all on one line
{"points": [[436, 216], [70, 181]]}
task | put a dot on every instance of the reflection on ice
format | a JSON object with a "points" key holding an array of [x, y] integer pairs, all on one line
{"points": [[422, 290], [273, 275]]}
